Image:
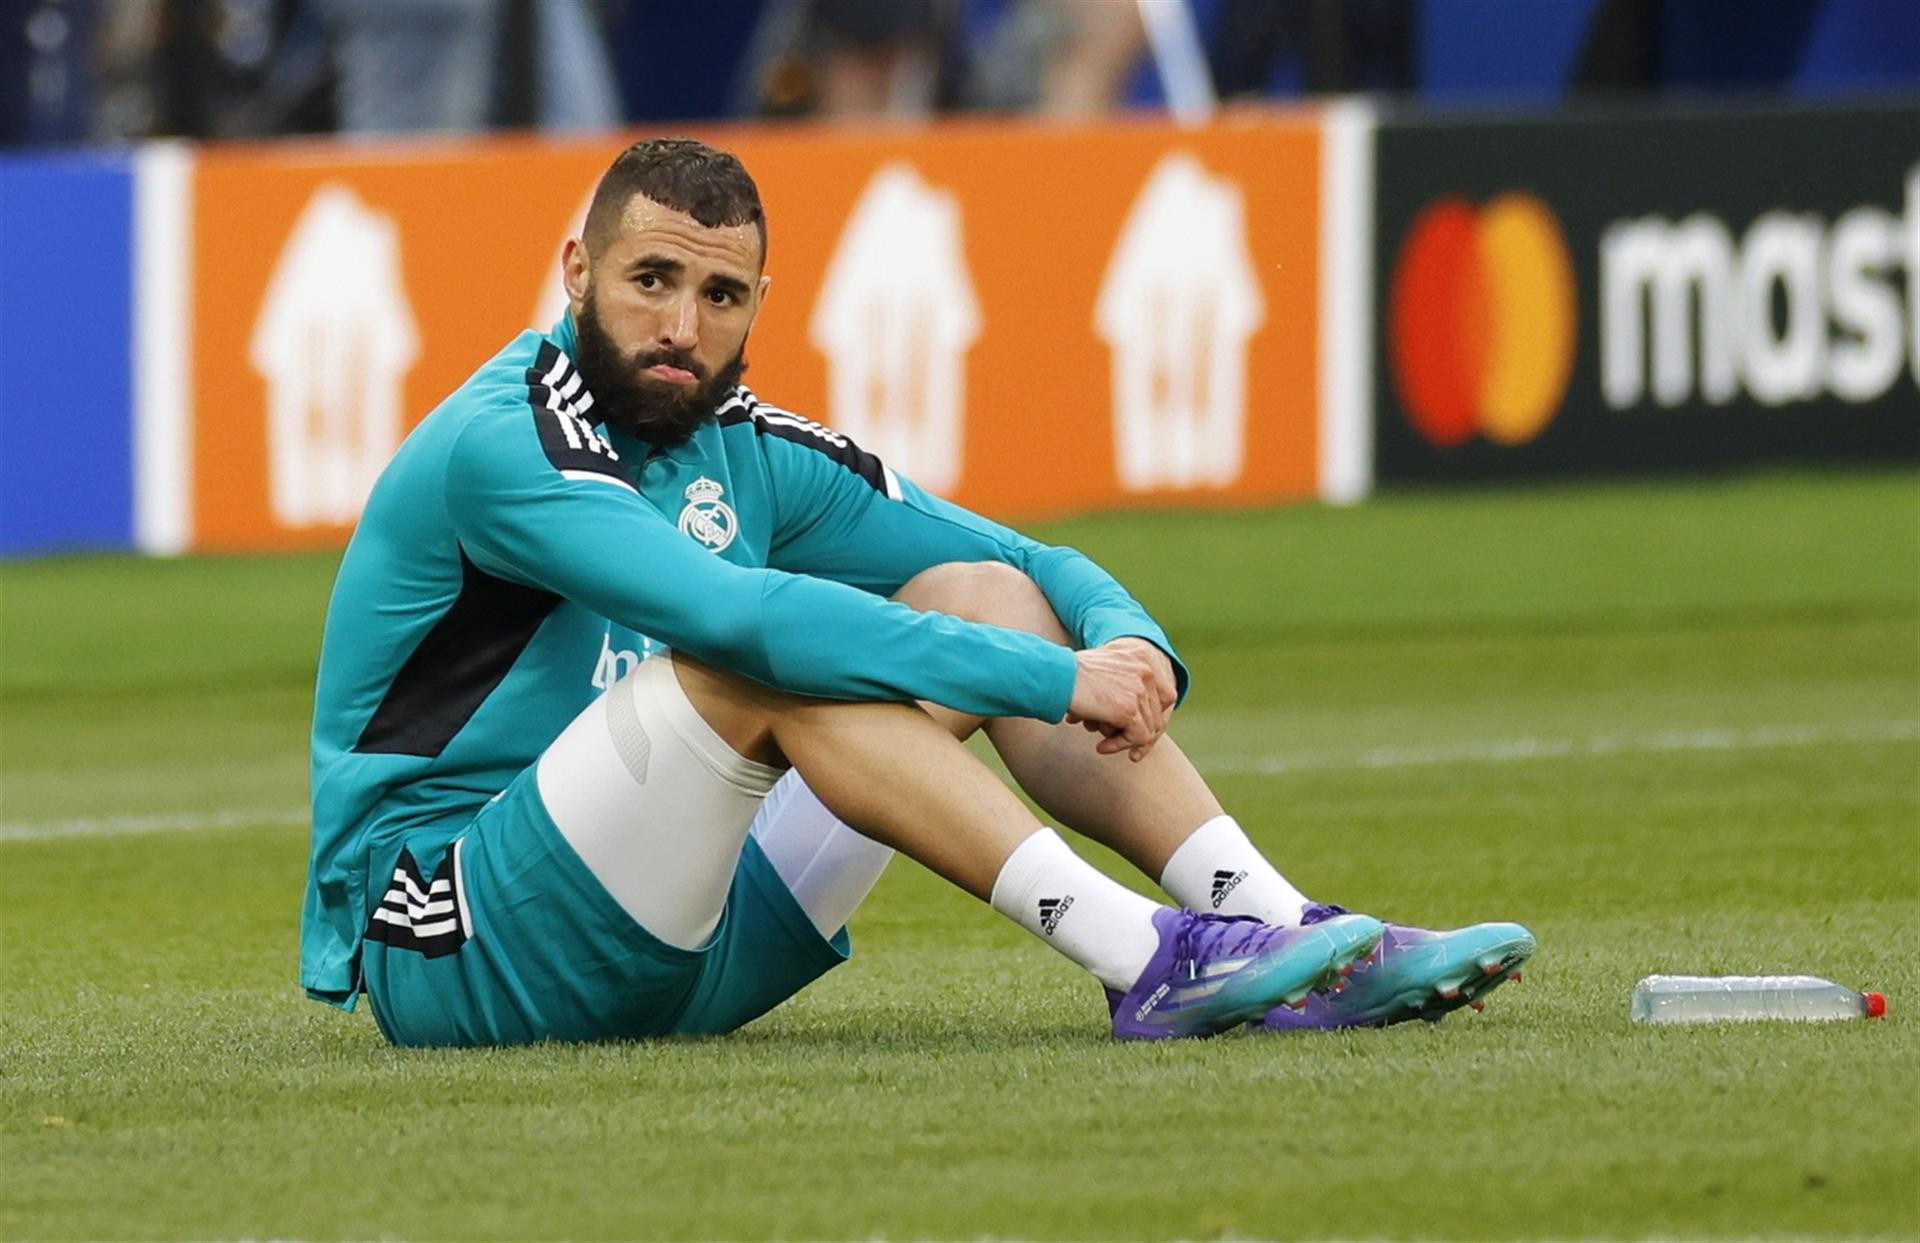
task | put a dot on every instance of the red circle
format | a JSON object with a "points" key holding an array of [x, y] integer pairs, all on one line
{"points": [[1437, 322]]}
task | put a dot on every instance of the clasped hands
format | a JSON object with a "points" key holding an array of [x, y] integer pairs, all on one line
{"points": [[1124, 691]]}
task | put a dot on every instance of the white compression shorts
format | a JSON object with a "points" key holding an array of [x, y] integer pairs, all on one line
{"points": [[659, 806]]}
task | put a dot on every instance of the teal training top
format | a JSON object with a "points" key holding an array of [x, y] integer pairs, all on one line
{"points": [[516, 556]]}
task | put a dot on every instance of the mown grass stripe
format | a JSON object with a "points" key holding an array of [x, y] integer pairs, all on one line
{"points": [[1272, 765], [173, 822], [1601, 745]]}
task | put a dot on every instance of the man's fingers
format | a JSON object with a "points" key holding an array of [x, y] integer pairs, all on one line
{"points": [[1129, 732], [1144, 729], [1159, 666], [1124, 694]]}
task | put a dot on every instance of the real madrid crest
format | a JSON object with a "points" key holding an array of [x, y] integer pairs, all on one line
{"points": [[708, 518]]}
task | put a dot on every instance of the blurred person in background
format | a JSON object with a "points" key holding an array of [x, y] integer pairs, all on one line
{"points": [[905, 59], [121, 69], [114, 70], [417, 66], [877, 57], [846, 59], [211, 69], [462, 66], [46, 86], [1060, 58]]}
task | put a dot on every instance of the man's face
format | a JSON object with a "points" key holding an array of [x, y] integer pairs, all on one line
{"points": [[663, 315]]}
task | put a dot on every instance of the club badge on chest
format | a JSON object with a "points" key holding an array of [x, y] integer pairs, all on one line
{"points": [[707, 518]]}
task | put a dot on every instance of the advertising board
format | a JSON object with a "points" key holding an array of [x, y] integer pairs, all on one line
{"points": [[1030, 320], [1622, 292]]}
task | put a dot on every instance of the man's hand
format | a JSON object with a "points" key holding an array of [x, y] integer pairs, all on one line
{"points": [[1125, 691]]}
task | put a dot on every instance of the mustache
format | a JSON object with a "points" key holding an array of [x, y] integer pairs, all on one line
{"points": [[669, 358], [632, 401]]}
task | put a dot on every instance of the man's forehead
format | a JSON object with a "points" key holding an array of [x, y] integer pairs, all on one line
{"points": [[646, 225]]}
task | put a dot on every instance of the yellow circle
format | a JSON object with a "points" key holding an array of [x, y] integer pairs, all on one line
{"points": [[1530, 280]]}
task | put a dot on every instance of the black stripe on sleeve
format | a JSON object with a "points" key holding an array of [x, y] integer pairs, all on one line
{"points": [[559, 400], [457, 665], [800, 430]]}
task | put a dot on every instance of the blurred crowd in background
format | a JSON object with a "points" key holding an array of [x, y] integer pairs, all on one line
{"points": [[111, 70]]}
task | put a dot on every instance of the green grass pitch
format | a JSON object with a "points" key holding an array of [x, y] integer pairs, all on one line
{"points": [[1671, 726]]}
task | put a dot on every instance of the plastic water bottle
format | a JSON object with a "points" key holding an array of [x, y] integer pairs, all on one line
{"points": [[1720, 998]]}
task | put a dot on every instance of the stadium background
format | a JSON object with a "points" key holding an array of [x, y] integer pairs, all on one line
{"points": [[1511, 409]]}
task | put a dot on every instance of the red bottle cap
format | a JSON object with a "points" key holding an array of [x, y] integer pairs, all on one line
{"points": [[1876, 1005]]}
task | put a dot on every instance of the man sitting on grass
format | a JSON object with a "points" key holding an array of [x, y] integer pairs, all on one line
{"points": [[503, 853]]}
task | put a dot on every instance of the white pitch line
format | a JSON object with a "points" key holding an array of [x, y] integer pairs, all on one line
{"points": [[1510, 750], [119, 826], [1496, 752]]}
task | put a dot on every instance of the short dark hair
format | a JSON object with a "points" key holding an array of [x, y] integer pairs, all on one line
{"points": [[684, 174]]}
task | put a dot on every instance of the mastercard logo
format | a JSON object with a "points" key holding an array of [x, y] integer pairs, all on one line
{"points": [[1481, 320]]}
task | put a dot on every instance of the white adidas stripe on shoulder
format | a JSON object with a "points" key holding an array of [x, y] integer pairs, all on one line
{"points": [[840, 448], [743, 398], [800, 423]]}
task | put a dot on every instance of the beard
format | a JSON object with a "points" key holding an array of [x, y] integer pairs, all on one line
{"points": [[663, 415]]}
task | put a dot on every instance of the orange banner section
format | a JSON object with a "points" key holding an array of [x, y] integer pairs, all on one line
{"points": [[1029, 320]]}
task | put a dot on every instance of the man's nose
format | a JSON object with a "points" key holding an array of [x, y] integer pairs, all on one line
{"points": [[680, 324]]}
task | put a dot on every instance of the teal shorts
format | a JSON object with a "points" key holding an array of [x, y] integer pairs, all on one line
{"points": [[533, 947]]}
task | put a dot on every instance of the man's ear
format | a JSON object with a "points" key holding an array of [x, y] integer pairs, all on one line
{"points": [[574, 271], [766, 283]]}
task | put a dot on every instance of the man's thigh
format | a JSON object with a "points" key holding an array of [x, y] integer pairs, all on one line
{"points": [[554, 878], [655, 801]]}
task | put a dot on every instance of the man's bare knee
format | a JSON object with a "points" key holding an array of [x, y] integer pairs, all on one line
{"points": [[984, 591]]}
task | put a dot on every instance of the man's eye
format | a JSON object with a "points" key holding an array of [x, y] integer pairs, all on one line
{"points": [[720, 297], [648, 280]]}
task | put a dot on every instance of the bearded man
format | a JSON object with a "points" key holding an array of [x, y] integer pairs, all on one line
{"points": [[633, 683]]}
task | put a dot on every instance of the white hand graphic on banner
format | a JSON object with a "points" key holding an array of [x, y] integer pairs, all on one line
{"points": [[1178, 304], [335, 340], [895, 318]]}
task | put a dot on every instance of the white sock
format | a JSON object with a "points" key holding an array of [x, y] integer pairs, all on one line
{"points": [[1077, 909], [1217, 869]]}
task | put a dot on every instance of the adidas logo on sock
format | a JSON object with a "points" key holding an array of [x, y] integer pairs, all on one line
{"points": [[1223, 884], [1052, 910]]}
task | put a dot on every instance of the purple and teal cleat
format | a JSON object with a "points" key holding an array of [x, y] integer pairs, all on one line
{"points": [[1417, 974], [1214, 972]]}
